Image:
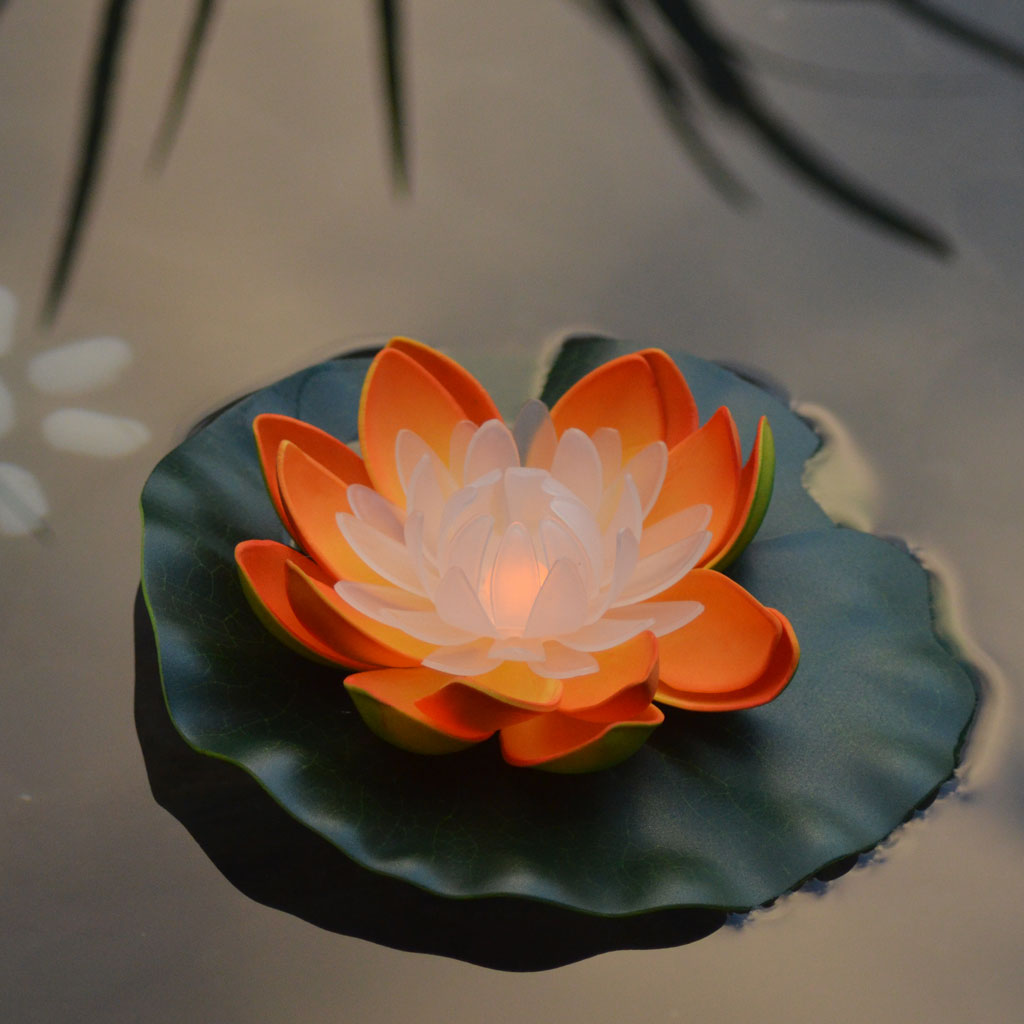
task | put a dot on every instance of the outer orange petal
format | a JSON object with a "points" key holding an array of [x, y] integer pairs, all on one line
{"points": [[516, 684], [560, 743], [705, 469], [400, 393], [477, 405], [263, 567], [313, 497], [736, 654], [426, 711], [621, 688], [270, 429], [317, 604], [753, 495], [622, 394], [677, 402]]}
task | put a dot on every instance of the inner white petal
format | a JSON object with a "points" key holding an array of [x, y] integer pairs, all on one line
{"points": [[383, 554], [457, 603], [673, 528], [375, 509], [578, 466], [582, 525], [466, 549], [457, 448], [663, 616], [378, 599], [647, 468], [658, 572], [427, 626], [464, 660], [606, 633], [626, 514], [559, 542], [492, 447], [561, 662], [561, 603], [516, 649], [426, 494]]}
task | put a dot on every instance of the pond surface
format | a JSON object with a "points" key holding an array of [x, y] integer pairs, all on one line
{"points": [[548, 194]]}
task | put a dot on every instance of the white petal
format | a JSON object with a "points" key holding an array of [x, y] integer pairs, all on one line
{"points": [[626, 548], [410, 448], [381, 553], [491, 448], [516, 649], [535, 435], [606, 633], [657, 572], [466, 549], [608, 443], [558, 541], [526, 501], [673, 528], [582, 525], [663, 616], [79, 366], [427, 626], [563, 663], [426, 494], [515, 580], [426, 570], [378, 599], [561, 603], [467, 660], [462, 434], [578, 466], [647, 468], [375, 509], [94, 433], [457, 603], [7, 415], [23, 506], [8, 318], [626, 514]]}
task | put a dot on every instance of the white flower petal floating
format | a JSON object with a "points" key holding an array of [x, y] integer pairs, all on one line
{"points": [[94, 433], [79, 366]]}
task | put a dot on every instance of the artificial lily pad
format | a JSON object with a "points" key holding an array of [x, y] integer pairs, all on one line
{"points": [[724, 810]]}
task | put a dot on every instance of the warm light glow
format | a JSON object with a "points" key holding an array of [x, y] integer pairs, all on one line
{"points": [[526, 547]]}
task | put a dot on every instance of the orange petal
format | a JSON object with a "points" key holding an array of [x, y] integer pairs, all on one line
{"points": [[405, 707], [677, 402], [317, 605], [400, 393], [271, 429], [313, 497], [477, 405], [560, 743], [704, 469], [263, 568], [753, 495], [622, 394], [621, 688], [736, 654]]}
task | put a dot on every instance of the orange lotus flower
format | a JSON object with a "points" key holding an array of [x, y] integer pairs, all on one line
{"points": [[547, 581]]}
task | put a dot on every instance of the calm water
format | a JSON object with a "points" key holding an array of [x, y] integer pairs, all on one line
{"points": [[548, 194]]}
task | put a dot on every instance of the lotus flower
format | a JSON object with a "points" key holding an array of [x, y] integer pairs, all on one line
{"points": [[547, 581]]}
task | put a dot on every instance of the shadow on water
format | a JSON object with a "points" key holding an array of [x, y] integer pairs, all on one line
{"points": [[270, 857], [684, 54]]}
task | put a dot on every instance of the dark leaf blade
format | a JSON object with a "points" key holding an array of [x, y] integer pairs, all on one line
{"points": [[718, 811], [389, 20], [202, 18], [91, 149]]}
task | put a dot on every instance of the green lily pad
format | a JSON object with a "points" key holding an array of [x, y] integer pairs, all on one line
{"points": [[717, 810]]}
